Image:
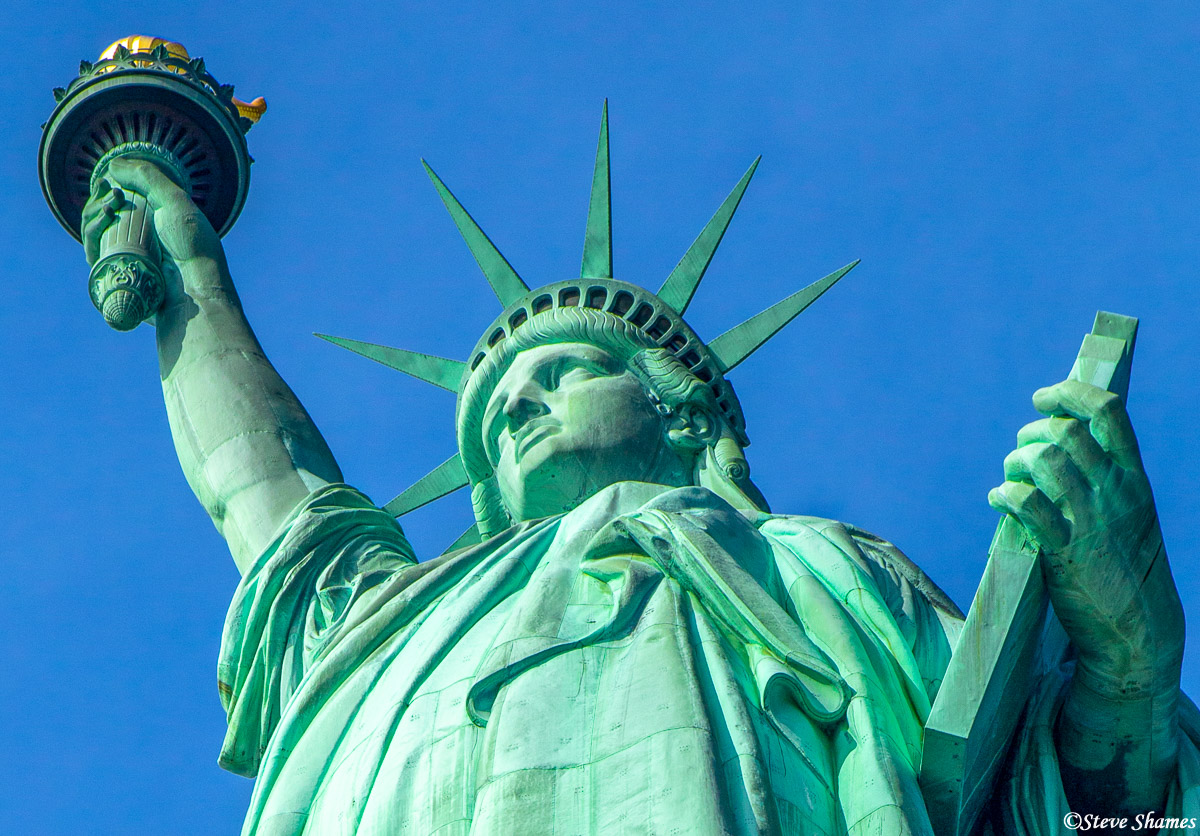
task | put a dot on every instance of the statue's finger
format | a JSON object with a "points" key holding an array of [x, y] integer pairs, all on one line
{"points": [[1034, 510], [1073, 437], [90, 210], [147, 179], [1071, 397], [95, 202], [100, 218], [1049, 469], [1108, 422]]}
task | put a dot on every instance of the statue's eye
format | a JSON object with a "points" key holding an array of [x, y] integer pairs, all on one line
{"points": [[571, 370], [578, 372]]}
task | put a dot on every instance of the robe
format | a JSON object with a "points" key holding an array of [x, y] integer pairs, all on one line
{"points": [[652, 662]]}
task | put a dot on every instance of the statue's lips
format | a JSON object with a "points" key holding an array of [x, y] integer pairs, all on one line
{"points": [[533, 432]]}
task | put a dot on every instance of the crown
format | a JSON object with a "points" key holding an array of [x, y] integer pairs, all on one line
{"points": [[656, 318]]}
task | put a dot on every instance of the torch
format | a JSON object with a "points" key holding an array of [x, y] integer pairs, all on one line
{"points": [[145, 98]]}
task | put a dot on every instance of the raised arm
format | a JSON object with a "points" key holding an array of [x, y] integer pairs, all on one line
{"points": [[247, 446]]}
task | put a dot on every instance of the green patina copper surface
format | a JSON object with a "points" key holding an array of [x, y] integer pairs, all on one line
{"points": [[148, 104], [1013, 634], [629, 640]]}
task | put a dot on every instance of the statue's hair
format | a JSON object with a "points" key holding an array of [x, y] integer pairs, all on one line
{"points": [[669, 380], [668, 383]]}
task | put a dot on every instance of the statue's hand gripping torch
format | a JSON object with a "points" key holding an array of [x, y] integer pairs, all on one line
{"points": [[144, 99], [126, 283]]}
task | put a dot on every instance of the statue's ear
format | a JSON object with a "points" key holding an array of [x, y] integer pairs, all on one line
{"points": [[691, 428]]}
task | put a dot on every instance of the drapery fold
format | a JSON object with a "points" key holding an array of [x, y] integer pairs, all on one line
{"points": [[653, 661]]}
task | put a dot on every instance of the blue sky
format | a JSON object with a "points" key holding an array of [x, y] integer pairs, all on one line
{"points": [[1003, 171]]}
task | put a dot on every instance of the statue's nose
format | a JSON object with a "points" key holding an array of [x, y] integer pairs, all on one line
{"points": [[523, 405]]}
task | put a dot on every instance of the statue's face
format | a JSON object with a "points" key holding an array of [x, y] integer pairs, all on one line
{"points": [[568, 420]]}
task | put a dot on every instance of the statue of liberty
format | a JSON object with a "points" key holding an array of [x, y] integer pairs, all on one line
{"points": [[629, 640]]}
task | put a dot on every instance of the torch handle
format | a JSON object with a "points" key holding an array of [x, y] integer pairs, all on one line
{"points": [[126, 282]]}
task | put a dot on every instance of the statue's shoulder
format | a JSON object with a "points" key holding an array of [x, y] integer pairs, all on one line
{"points": [[858, 541]]}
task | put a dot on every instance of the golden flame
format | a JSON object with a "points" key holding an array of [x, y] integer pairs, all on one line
{"points": [[143, 43], [252, 110]]}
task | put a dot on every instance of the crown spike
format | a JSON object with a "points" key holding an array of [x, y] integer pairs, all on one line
{"points": [[468, 538], [680, 286], [446, 478], [504, 280], [436, 370], [739, 342], [597, 241]]}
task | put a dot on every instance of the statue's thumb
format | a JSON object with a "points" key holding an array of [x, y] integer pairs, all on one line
{"points": [[145, 178]]}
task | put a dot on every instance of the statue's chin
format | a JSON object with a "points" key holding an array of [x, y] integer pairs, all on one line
{"points": [[554, 492], [557, 471], [554, 477]]}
